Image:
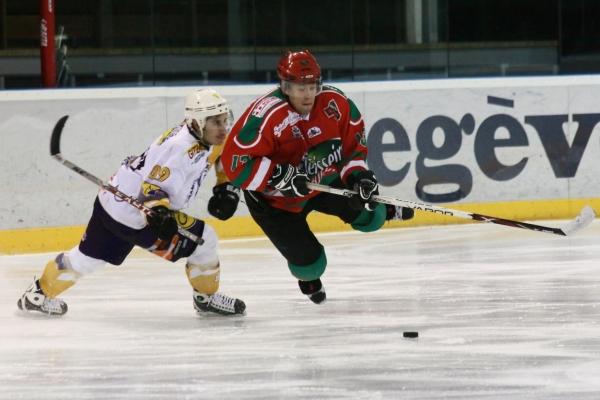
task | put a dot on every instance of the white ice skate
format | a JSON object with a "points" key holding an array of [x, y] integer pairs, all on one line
{"points": [[34, 300], [218, 303]]}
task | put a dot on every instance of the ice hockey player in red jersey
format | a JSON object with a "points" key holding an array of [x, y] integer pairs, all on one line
{"points": [[166, 177], [303, 132]]}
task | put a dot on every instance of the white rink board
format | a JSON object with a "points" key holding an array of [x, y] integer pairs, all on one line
{"points": [[537, 180], [108, 124]]}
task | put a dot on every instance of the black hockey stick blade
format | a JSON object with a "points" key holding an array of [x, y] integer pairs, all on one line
{"points": [[55, 138]]}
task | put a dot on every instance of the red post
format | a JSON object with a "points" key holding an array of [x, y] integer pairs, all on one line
{"points": [[47, 54]]}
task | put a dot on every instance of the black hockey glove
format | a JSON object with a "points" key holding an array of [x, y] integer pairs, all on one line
{"points": [[224, 201], [366, 186], [162, 222], [289, 181]]}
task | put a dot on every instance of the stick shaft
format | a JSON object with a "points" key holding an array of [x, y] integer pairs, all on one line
{"points": [[442, 210], [55, 152]]}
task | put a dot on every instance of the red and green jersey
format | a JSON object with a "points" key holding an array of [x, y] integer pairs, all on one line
{"points": [[326, 144]]}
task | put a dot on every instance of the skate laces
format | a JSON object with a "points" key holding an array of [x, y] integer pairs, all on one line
{"points": [[222, 302], [34, 300], [54, 306], [218, 303]]}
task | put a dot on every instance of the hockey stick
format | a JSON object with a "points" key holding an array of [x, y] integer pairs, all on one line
{"points": [[585, 217], [55, 152]]}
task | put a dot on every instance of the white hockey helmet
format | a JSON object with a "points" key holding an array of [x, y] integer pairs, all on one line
{"points": [[203, 103]]}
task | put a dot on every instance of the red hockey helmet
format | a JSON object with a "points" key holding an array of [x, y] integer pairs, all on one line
{"points": [[299, 67]]}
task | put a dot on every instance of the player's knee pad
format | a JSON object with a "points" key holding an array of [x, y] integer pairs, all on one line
{"points": [[81, 263], [312, 271], [369, 221], [58, 276]]}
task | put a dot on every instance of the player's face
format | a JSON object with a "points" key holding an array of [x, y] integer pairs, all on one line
{"points": [[215, 129], [301, 96]]}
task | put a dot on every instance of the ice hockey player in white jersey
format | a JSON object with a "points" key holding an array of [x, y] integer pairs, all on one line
{"points": [[166, 177]]}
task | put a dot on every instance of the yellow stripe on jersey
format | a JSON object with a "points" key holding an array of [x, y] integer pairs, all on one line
{"points": [[215, 159]]}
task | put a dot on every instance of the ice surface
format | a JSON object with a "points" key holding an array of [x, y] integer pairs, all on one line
{"points": [[502, 313]]}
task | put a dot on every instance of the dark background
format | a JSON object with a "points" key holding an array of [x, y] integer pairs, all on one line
{"points": [[168, 42]]}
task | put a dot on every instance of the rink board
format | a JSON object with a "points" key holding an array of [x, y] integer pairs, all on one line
{"points": [[517, 148], [62, 238]]}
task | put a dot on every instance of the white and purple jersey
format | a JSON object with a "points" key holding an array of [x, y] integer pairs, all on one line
{"points": [[174, 166]]}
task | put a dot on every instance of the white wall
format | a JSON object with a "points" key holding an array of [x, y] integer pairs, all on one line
{"points": [[105, 125]]}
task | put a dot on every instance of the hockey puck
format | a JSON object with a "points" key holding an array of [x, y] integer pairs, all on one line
{"points": [[411, 335]]}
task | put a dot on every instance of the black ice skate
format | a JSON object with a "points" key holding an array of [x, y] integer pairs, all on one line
{"points": [[398, 213], [218, 303], [34, 300], [314, 290]]}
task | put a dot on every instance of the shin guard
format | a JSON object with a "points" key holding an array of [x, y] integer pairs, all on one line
{"points": [[204, 278], [57, 277]]}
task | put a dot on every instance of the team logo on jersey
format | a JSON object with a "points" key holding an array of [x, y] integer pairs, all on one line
{"points": [[361, 138], [313, 132], [184, 220], [320, 159], [195, 150], [264, 105], [296, 132], [291, 119], [332, 110], [151, 190]]}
